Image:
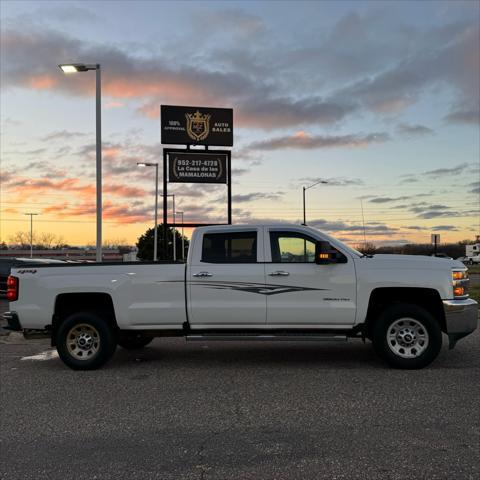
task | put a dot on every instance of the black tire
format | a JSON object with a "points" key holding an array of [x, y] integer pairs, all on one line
{"points": [[390, 324], [133, 341], [94, 328]]}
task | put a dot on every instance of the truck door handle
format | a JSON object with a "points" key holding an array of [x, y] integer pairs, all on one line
{"points": [[279, 273], [202, 274]]}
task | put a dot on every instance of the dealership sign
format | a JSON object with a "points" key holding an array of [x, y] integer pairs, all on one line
{"points": [[196, 126], [195, 167]]}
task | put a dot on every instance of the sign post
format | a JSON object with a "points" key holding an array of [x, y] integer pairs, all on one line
{"points": [[435, 240], [196, 126]]}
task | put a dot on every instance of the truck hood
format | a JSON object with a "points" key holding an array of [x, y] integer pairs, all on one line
{"points": [[412, 261]]}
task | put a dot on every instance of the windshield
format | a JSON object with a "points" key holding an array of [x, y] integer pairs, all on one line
{"points": [[335, 241]]}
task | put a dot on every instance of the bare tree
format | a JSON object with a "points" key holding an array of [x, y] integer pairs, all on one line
{"points": [[366, 248], [41, 241], [20, 240]]}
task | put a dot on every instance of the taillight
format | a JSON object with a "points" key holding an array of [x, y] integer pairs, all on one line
{"points": [[12, 288]]}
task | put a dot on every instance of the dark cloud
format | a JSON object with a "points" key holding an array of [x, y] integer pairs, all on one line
{"points": [[331, 182], [34, 152], [421, 207], [249, 197], [239, 171], [414, 130], [464, 117], [446, 228], [62, 135], [28, 63], [377, 228], [408, 179], [231, 20], [47, 169], [438, 214], [442, 172], [304, 141], [268, 82], [278, 112], [388, 199], [452, 59]]}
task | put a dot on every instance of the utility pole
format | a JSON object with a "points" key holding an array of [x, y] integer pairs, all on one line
{"points": [[31, 232]]}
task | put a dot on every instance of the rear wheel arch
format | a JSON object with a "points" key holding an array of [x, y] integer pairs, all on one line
{"points": [[66, 304], [384, 297]]}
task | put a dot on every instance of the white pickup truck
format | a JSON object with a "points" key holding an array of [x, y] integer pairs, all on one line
{"points": [[250, 282]]}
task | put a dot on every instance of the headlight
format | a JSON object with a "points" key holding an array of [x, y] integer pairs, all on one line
{"points": [[460, 283], [460, 274]]}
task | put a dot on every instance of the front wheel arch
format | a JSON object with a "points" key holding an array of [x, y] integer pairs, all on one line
{"points": [[386, 297]]}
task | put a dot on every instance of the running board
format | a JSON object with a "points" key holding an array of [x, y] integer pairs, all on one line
{"points": [[265, 338]]}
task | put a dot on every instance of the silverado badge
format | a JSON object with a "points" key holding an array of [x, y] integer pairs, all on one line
{"points": [[198, 126]]}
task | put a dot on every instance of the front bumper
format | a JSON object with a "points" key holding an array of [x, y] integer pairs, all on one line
{"points": [[461, 318], [13, 323]]}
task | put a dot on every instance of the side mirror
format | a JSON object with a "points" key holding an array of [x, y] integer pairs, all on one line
{"points": [[326, 254]]}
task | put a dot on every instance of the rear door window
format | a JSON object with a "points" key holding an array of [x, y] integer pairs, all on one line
{"points": [[232, 247]]}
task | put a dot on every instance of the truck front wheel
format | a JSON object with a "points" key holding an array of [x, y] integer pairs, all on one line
{"points": [[85, 341], [407, 336]]}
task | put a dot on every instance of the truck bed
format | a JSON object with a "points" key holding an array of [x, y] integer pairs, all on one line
{"points": [[136, 290]]}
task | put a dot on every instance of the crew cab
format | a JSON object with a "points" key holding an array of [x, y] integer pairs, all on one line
{"points": [[248, 282]]}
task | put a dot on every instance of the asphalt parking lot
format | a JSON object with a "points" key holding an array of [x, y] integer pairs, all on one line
{"points": [[179, 410]]}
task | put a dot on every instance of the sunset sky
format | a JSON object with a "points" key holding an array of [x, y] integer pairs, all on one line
{"points": [[380, 99]]}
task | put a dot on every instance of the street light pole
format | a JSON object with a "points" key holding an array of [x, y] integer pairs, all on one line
{"points": [[304, 189], [304, 209], [174, 231], [82, 67], [98, 136], [31, 232], [155, 232], [183, 239]]}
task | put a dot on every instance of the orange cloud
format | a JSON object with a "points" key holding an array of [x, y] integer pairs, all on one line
{"points": [[42, 82], [118, 213], [21, 188]]}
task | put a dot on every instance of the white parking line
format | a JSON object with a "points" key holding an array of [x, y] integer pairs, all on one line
{"points": [[42, 356]]}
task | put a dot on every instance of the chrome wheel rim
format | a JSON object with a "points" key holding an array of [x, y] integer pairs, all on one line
{"points": [[83, 341], [407, 338]]}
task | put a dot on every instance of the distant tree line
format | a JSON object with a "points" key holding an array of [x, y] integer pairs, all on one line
{"points": [[453, 250], [41, 241], [49, 241]]}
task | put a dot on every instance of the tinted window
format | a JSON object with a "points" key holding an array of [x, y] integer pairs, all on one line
{"points": [[290, 247], [238, 247]]}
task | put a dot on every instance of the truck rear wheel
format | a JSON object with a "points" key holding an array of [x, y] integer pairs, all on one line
{"points": [[85, 341], [407, 336], [133, 341]]}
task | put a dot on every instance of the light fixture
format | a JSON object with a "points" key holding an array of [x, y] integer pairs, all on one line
{"points": [[76, 67]]}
